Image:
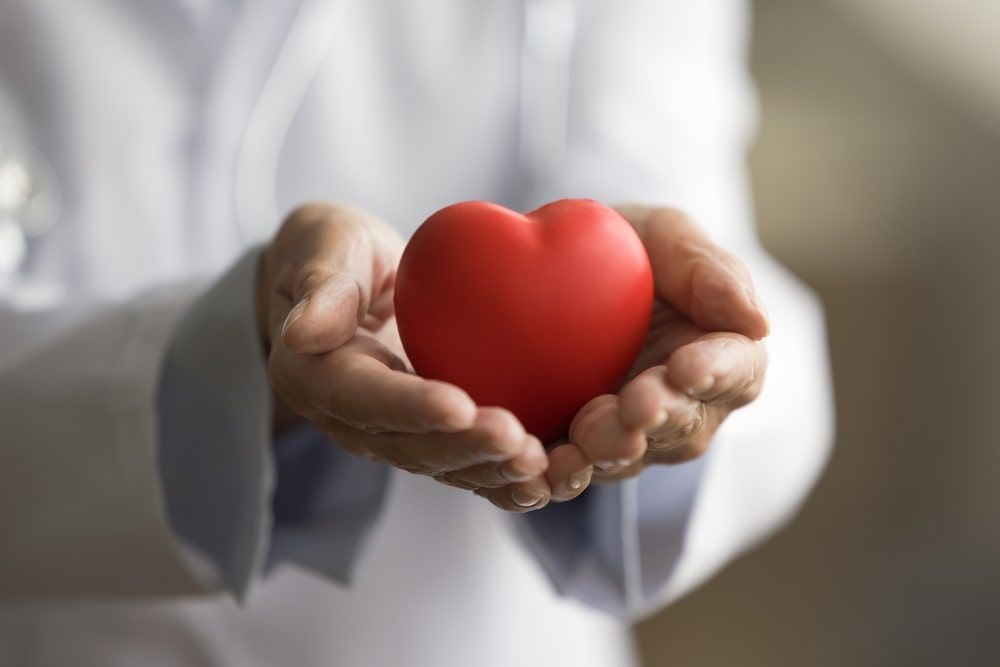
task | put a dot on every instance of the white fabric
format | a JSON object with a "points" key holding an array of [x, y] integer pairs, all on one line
{"points": [[142, 114]]}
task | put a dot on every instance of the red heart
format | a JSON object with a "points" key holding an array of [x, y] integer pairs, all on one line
{"points": [[537, 313]]}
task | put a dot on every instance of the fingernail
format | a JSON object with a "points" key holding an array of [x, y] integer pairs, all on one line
{"points": [[607, 466], [525, 498], [659, 420], [578, 479], [511, 473], [572, 485], [294, 314], [701, 387], [759, 305]]}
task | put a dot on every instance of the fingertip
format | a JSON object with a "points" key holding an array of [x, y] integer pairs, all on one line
{"points": [[722, 300], [704, 368], [759, 321], [450, 409], [531, 496], [531, 462], [642, 401], [503, 435], [534, 454], [747, 314], [606, 442], [569, 472], [520, 497], [587, 414]]}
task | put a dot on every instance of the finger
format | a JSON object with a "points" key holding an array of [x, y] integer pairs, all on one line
{"points": [[329, 306], [670, 418], [332, 268], [719, 368], [364, 385], [693, 274], [496, 436], [686, 437], [569, 472], [628, 471], [602, 436], [530, 463], [522, 497], [642, 402]]}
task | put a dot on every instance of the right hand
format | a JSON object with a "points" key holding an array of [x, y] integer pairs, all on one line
{"points": [[325, 315]]}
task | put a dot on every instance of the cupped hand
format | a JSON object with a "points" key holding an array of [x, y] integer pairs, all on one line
{"points": [[703, 356], [324, 307]]}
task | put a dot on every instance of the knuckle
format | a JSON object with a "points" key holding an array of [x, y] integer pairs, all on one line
{"points": [[673, 437], [299, 221], [693, 425], [308, 213], [682, 452], [309, 277]]}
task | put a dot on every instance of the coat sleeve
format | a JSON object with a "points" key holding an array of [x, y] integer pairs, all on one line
{"points": [[136, 453], [234, 498], [80, 504], [659, 111]]}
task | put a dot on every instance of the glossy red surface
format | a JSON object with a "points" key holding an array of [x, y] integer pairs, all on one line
{"points": [[537, 313]]}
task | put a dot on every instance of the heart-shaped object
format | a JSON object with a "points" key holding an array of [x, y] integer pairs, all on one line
{"points": [[536, 313]]}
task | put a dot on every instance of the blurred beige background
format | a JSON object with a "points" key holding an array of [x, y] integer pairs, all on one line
{"points": [[877, 177]]}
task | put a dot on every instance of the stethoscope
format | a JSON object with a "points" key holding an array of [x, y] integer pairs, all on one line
{"points": [[30, 201], [30, 195]]}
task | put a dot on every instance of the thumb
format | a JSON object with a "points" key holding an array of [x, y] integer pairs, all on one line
{"points": [[334, 264], [694, 275], [328, 307]]}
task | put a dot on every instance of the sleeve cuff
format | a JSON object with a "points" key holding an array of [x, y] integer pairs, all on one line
{"points": [[616, 547], [214, 407], [325, 504]]}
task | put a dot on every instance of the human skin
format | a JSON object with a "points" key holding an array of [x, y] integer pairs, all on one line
{"points": [[324, 311]]}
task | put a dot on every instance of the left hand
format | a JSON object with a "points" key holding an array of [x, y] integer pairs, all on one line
{"points": [[703, 358]]}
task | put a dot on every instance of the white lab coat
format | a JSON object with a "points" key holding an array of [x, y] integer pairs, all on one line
{"points": [[177, 134]]}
